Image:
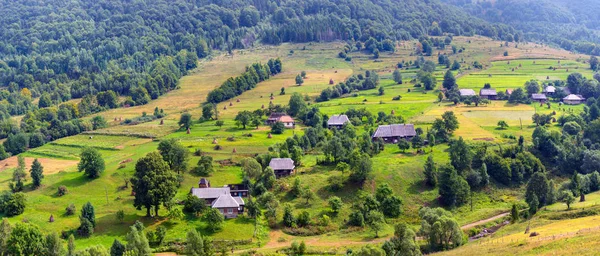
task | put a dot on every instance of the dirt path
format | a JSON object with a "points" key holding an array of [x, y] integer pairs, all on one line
{"points": [[278, 239], [477, 223]]}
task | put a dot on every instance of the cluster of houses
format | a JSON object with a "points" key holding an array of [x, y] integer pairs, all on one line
{"points": [[548, 91], [229, 199]]}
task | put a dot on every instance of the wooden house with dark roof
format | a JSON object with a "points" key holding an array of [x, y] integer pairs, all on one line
{"points": [[490, 94], [395, 132], [539, 97], [282, 167], [337, 121]]}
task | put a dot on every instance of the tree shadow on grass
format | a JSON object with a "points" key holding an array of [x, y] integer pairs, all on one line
{"points": [[419, 187]]}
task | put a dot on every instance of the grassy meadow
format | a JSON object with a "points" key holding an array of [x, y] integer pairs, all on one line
{"points": [[122, 145]]}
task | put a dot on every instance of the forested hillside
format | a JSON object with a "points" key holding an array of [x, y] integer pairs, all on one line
{"points": [[75, 48], [572, 25]]}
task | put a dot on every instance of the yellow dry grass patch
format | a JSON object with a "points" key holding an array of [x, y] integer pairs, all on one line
{"points": [[468, 129], [50, 165]]}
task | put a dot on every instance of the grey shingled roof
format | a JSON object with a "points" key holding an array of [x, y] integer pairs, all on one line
{"points": [[226, 201], [239, 200], [550, 89], [573, 97], [538, 96], [488, 92], [395, 130], [207, 193], [338, 120], [467, 92], [282, 164]]}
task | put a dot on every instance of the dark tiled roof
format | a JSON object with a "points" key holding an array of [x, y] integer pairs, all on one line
{"points": [[538, 96], [395, 130], [282, 164], [338, 120], [467, 92], [488, 92], [204, 181]]}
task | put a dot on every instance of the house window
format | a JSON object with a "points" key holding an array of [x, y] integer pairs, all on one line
{"points": [[222, 210], [230, 211]]}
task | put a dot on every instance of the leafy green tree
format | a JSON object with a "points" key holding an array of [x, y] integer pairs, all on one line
{"points": [[120, 215], [417, 142], [71, 245], [296, 189], [98, 122], [567, 198], [594, 62], [440, 229], [25, 239], [381, 90], [214, 218], [335, 203], [453, 189], [514, 213], [220, 123], [175, 154], [299, 80], [303, 219], [361, 169], [403, 242], [53, 245], [307, 194], [204, 166], [194, 205], [18, 176], [342, 167], [450, 121], [429, 81], [277, 128], [196, 245], [185, 121], [13, 204], [251, 168], [244, 118], [153, 183], [137, 242], [537, 188], [16, 143], [460, 155], [430, 171], [117, 248], [376, 221], [5, 231], [36, 173], [88, 213], [397, 75], [449, 81], [296, 104], [403, 145], [288, 216], [91, 162], [208, 111], [455, 65]]}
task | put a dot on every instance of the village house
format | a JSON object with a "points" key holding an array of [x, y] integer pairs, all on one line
{"points": [[466, 93], [282, 167], [508, 92], [573, 99], [539, 97], [221, 199], [549, 90], [490, 94], [395, 132], [287, 120], [337, 121]]}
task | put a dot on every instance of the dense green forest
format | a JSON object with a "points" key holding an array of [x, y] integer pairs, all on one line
{"points": [[573, 25]]}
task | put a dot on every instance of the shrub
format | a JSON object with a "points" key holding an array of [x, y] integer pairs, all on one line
{"points": [[70, 210], [277, 128], [62, 190]]}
